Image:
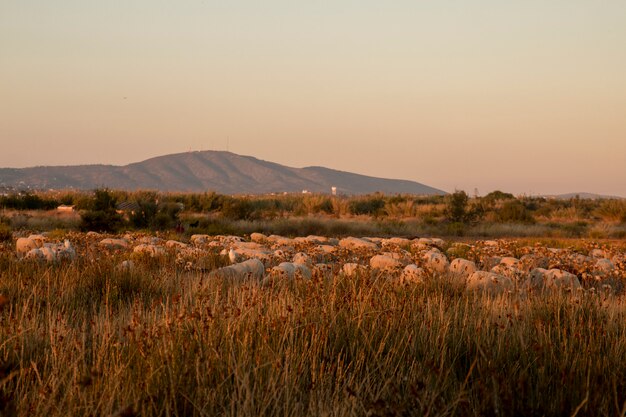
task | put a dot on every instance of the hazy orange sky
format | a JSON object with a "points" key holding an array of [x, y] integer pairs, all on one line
{"points": [[523, 96]]}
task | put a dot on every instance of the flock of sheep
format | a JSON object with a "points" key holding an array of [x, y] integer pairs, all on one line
{"points": [[487, 266]]}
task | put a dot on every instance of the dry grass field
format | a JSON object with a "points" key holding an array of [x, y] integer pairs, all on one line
{"points": [[161, 335]]}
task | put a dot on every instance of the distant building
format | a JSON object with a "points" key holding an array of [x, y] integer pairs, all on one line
{"points": [[333, 190], [65, 208]]}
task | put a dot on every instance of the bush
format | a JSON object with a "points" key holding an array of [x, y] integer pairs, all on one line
{"points": [[371, 206], [5, 233], [27, 202], [239, 209], [102, 215], [498, 195], [514, 212], [612, 210]]}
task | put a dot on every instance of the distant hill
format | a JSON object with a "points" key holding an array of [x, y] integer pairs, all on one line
{"points": [[219, 171], [584, 196]]}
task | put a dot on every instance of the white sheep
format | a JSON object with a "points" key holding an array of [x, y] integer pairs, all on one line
{"points": [[252, 268], [384, 262], [553, 279], [291, 270], [435, 261], [489, 282], [23, 245], [356, 243], [412, 274]]}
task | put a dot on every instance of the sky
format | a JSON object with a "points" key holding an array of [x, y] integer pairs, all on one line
{"points": [[527, 97]]}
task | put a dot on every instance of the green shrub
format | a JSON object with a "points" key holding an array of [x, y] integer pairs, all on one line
{"points": [[612, 210], [5, 233], [102, 215], [514, 211], [372, 206], [459, 210]]}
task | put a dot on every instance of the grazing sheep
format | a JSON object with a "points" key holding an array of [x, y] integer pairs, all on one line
{"points": [[258, 237], [554, 279], [597, 253], [412, 274], [489, 282], [175, 244], [507, 270], [431, 242], [199, 239], [604, 267], [396, 241], [125, 266], [530, 262], [509, 261], [252, 268], [318, 240], [24, 245], [352, 269], [462, 267], [152, 250], [384, 262], [112, 244], [326, 248], [239, 254], [52, 252], [302, 258], [291, 270], [322, 270], [436, 261], [356, 243], [280, 240], [149, 240]]}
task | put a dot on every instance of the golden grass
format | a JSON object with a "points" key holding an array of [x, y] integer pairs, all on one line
{"points": [[86, 339]]}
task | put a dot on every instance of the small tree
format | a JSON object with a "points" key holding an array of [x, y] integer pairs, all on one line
{"points": [[456, 207], [101, 216], [459, 213]]}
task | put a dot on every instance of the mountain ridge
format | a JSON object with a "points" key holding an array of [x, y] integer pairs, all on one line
{"points": [[219, 171]]}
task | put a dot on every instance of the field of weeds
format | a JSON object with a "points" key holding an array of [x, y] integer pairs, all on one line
{"points": [[166, 335]]}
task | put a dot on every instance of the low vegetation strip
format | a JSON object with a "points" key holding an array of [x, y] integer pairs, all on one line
{"points": [[136, 325]]}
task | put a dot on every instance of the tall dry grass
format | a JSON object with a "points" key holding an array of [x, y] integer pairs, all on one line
{"points": [[87, 339]]}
